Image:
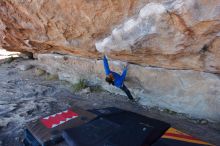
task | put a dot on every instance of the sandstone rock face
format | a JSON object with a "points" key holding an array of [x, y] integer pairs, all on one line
{"points": [[174, 34], [180, 34], [60, 26], [191, 92]]}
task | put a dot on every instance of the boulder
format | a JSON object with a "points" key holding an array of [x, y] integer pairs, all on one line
{"points": [[172, 34], [184, 91], [173, 46]]}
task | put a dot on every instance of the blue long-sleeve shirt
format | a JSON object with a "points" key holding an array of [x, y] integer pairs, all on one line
{"points": [[118, 79]]}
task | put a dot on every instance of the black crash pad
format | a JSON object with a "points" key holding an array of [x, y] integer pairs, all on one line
{"points": [[116, 127], [39, 133], [97, 127]]}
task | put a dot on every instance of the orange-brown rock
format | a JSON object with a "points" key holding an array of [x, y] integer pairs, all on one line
{"points": [[60, 26], [183, 34]]}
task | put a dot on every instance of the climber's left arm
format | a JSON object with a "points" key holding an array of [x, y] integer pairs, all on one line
{"points": [[123, 75]]}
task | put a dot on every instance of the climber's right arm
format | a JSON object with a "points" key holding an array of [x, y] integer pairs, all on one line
{"points": [[106, 66]]}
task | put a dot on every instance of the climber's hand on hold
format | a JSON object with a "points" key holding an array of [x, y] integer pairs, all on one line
{"points": [[126, 66]]}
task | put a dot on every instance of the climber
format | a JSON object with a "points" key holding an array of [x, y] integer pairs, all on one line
{"points": [[115, 79]]}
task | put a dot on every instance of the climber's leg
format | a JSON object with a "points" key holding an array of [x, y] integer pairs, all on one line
{"points": [[128, 93]]}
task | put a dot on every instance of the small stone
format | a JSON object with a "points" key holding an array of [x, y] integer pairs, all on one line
{"points": [[23, 114], [1, 143], [203, 122], [161, 110], [11, 73], [4, 122], [30, 112], [39, 72], [94, 104], [51, 77], [195, 121], [17, 138], [24, 67], [85, 91]]}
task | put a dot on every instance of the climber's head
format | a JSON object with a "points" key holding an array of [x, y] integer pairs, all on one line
{"points": [[110, 79]]}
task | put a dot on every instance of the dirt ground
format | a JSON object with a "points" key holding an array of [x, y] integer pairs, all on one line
{"points": [[29, 94]]}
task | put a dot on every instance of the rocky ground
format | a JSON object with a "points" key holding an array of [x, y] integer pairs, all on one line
{"points": [[27, 93]]}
